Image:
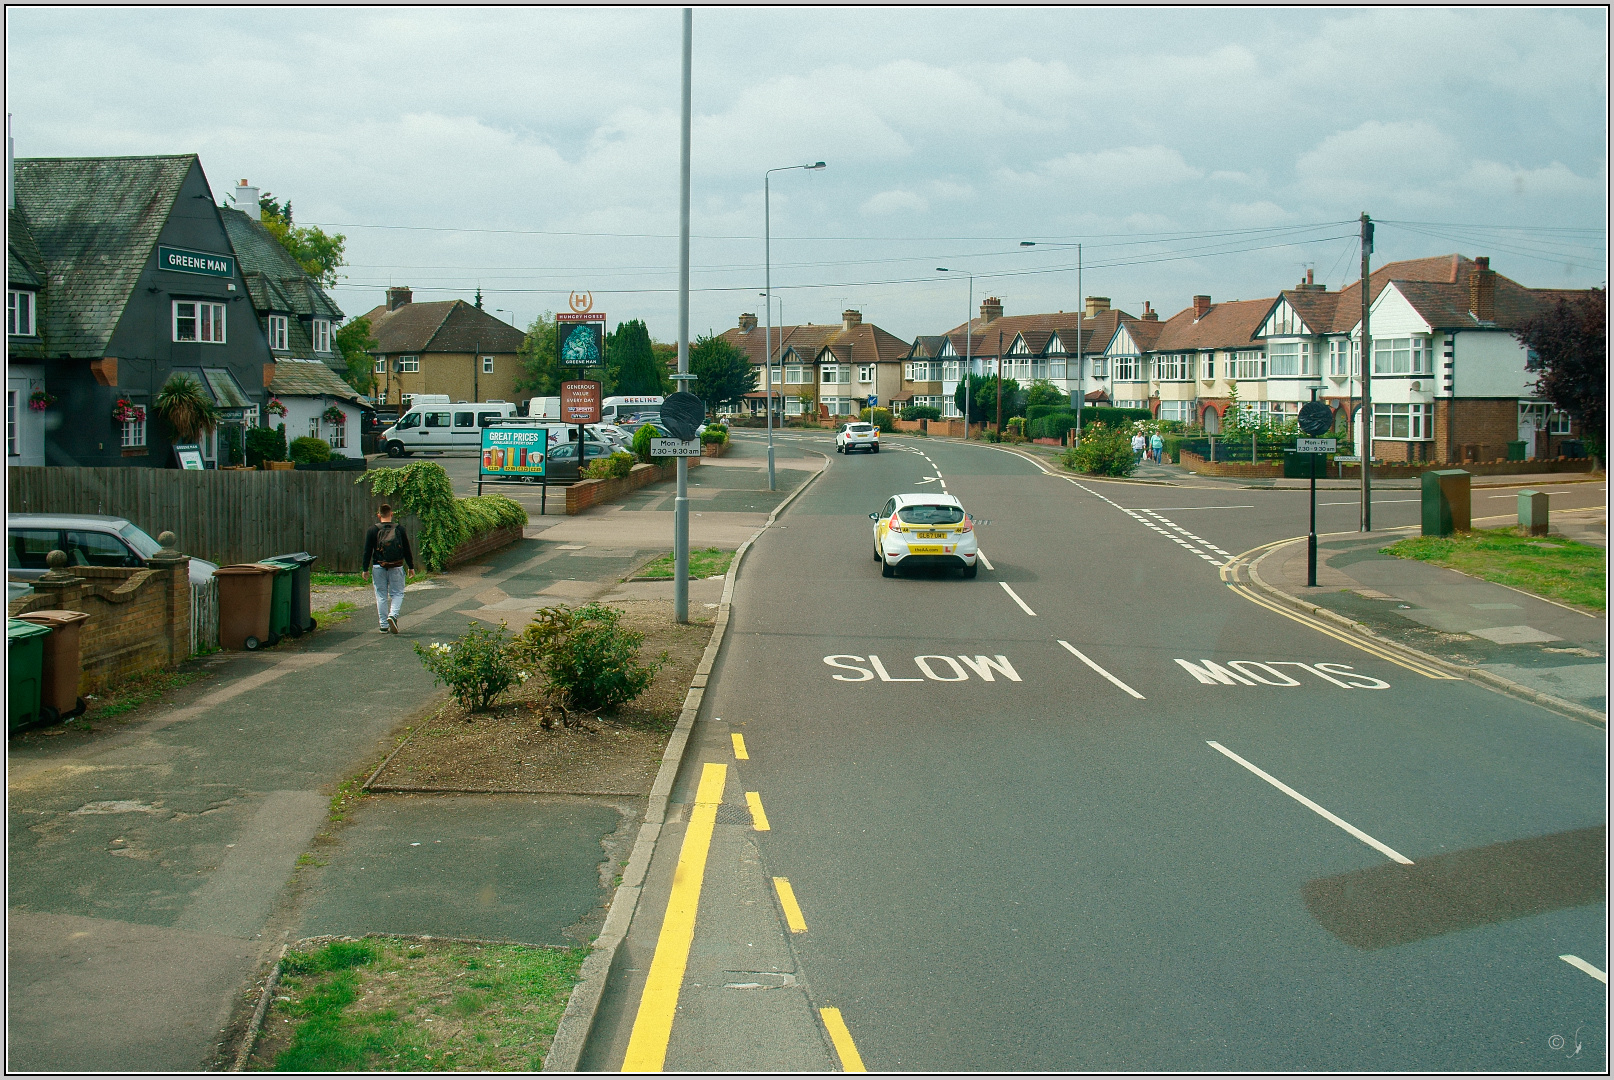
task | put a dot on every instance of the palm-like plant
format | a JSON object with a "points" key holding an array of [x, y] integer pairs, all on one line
{"points": [[186, 407]]}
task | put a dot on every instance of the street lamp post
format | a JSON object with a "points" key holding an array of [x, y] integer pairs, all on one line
{"points": [[969, 328], [767, 339]]}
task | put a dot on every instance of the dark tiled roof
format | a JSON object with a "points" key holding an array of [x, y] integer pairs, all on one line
{"points": [[1096, 332], [926, 347], [865, 343], [1450, 269], [1228, 325], [96, 221], [309, 378], [446, 326], [24, 264], [275, 280], [1316, 308]]}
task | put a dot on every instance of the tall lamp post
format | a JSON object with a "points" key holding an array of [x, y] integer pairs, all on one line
{"points": [[767, 264], [969, 331]]}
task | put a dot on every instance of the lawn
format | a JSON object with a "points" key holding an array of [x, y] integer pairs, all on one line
{"points": [[705, 563], [1553, 567], [394, 1005]]}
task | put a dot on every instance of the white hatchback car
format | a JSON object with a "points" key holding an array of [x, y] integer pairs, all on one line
{"points": [[924, 530], [857, 436]]}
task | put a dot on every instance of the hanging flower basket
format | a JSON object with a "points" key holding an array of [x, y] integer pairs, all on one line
{"points": [[124, 410], [276, 407], [333, 415], [41, 399]]}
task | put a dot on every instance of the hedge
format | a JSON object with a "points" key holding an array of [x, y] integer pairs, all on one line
{"points": [[1037, 412], [1112, 417]]}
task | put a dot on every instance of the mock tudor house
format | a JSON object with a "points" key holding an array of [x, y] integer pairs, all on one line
{"points": [[819, 370], [1200, 355], [121, 273], [442, 347]]}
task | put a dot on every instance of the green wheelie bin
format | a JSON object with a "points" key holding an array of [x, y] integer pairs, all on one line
{"points": [[280, 600], [301, 563], [25, 670]]}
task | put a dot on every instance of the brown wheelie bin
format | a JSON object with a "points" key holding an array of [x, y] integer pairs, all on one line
{"points": [[59, 688], [245, 591]]}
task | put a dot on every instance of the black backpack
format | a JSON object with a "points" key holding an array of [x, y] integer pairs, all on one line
{"points": [[389, 544]]}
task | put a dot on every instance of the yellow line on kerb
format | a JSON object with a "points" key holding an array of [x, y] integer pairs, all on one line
{"points": [[787, 900], [1382, 654], [647, 1046], [851, 1060], [739, 747]]}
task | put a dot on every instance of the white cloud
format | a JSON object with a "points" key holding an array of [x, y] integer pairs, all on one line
{"points": [[896, 202], [1126, 168]]}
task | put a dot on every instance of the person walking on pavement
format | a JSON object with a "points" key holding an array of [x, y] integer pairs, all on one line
{"points": [[386, 553], [1137, 446], [1156, 445]]}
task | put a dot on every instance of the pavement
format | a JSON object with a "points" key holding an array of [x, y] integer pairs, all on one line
{"points": [[157, 867]]}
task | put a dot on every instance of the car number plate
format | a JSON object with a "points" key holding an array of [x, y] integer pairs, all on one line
{"points": [[931, 535]]}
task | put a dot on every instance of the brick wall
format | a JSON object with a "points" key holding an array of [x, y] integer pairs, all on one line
{"points": [[139, 619], [482, 543], [1481, 429], [1199, 466], [586, 493]]}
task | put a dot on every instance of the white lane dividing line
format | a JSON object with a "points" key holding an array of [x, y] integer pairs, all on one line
{"points": [[981, 555], [1017, 600], [1575, 961], [1302, 800], [1078, 654]]}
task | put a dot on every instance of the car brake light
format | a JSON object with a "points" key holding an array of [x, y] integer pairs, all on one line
{"points": [[895, 524], [966, 527]]}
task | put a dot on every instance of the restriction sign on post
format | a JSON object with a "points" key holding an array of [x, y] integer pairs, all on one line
{"points": [[1316, 446], [675, 448]]}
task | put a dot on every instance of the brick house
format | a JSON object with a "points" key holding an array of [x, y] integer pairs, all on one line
{"points": [[822, 370], [442, 347], [1200, 354]]}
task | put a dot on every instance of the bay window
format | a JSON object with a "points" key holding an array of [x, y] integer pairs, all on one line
{"points": [[1290, 358], [1409, 422], [1173, 367], [798, 373], [1249, 364], [836, 373], [1127, 368], [1401, 356], [1176, 410]]}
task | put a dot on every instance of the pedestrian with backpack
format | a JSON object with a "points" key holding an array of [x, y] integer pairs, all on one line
{"points": [[386, 553]]}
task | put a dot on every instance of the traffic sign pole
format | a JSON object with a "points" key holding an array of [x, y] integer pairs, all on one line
{"points": [[1315, 418]]}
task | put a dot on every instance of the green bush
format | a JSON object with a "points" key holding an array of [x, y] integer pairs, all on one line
{"points": [[1036, 412], [641, 444], [484, 513], [476, 669], [1015, 428], [879, 417], [921, 412], [610, 468], [266, 444], [1052, 426], [424, 490], [1102, 451], [715, 434], [586, 656], [307, 450]]}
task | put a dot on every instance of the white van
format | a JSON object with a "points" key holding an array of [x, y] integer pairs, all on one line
{"points": [[630, 411], [441, 426], [543, 408], [411, 400]]}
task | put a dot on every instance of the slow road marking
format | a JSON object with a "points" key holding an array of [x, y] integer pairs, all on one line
{"points": [[1078, 654], [787, 901], [1575, 961], [1017, 600], [845, 1048], [652, 1027], [1303, 801]]}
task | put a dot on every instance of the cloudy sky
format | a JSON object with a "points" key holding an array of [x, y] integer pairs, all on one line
{"points": [[532, 152]]}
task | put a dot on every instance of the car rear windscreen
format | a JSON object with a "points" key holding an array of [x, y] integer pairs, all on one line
{"points": [[861, 429], [931, 515]]}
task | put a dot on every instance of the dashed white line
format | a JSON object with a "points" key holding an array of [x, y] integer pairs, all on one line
{"points": [[1303, 801], [1016, 598], [981, 555], [1078, 654], [1575, 961]]}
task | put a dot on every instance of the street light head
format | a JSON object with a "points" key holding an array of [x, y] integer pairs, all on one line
{"points": [[815, 165], [944, 269], [1028, 243]]}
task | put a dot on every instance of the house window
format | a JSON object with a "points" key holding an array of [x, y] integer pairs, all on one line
{"points": [[1176, 410], [793, 406], [19, 313], [197, 321], [949, 371], [1127, 368], [1249, 365], [134, 433], [313, 427], [487, 365], [1173, 367], [1411, 422], [865, 373], [11, 423], [1131, 403], [1401, 356], [838, 406], [321, 333], [1558, 423], [1342, 361], [1101, 367], [408, 363], [798, 373], [338, 436], [837, 373], [1290, 358], [277, 332], [380, 365]]}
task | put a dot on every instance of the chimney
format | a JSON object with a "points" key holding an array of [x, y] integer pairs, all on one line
{"points": [[851, 317], [398, 296], [1201, 305], [1310, 284], [1149, 313], [991, 308], [1482, 290], [1096, 304], [748, 322], [245, 198]]}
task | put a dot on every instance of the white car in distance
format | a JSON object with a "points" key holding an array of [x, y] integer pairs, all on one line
{"points": [[857, 436]]}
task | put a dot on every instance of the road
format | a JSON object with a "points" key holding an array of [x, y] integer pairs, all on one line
{"points": [[1097, 810]]}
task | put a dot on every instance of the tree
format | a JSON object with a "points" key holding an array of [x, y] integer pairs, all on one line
{"points": [[1043, 392], [1569, 352], [354, 342], [666, 354], [541, 374], [316, 251], [630, 361], [984, 398], [723, 374]]}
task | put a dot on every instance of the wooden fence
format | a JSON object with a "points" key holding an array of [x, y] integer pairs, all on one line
{"points": [[225, 516]]}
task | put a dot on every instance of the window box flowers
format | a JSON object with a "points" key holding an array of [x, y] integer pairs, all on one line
{"points": [[333, 415], [276, 407], [125, 411]]}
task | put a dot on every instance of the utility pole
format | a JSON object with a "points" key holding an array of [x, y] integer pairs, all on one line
{"points": [[1000, 386], [1081, 385], [476, 374], [681, 499], [1365, 450]]}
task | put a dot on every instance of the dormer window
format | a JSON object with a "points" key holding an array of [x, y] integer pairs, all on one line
{"points": [[321, 333], [19, 313], [277, 333]]}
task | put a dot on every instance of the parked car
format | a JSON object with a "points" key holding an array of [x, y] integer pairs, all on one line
{"points": [[87, 540], [857, 436], [924, 530]]}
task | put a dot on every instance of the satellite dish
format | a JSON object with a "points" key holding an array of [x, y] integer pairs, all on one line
{"points": [[682, 413], [1316, 419]]}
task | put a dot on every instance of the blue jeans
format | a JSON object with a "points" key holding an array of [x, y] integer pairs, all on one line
{"points": [[389, 590]]}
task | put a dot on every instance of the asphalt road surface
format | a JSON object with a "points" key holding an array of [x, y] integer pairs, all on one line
{"points": [[1098, 810]]}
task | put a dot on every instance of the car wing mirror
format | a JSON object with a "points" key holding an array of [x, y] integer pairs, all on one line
{"points": [[874, 517]]}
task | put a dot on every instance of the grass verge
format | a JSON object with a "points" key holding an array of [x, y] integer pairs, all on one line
{"points": [[1552, 567], [126, 697], [395, 1005], [705, 563], [335, 613]]}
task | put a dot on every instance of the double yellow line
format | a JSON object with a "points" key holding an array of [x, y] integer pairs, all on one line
{"points": [[1230, 571]]}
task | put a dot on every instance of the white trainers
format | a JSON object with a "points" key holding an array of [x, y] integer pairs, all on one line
{"points": [[392, 623]]}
